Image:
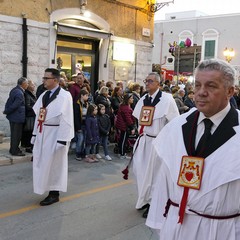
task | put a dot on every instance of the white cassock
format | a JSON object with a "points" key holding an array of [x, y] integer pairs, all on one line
{"points": [[50, 159], [218, 195], [144, 165]]}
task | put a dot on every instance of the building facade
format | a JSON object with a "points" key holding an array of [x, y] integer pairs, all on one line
{"points": [[209, 35], [110, 40]]}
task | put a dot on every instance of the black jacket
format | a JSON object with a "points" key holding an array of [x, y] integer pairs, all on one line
{"points": [[105, 101], [30, 100], [104, 124], [115, 102], [78, 118]]}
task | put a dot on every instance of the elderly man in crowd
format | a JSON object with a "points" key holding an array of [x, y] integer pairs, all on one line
{"points": [[16, 114]]}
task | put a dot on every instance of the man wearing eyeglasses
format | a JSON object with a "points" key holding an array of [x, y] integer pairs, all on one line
{"points": [[53, 131], [153, 111]]}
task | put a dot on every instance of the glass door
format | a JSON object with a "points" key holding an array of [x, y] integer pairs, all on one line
{"points": [[75, 54], [83, 63]]}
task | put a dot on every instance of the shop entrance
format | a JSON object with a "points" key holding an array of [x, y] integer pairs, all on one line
{"points": [[75, 53]]}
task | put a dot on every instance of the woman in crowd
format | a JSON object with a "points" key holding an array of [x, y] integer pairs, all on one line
{"points": [[102, 98], [30, 100], [100, 83], [135, 90], [189, 100], [87, 87], [116, 99], [125, 122], [109, 84]]}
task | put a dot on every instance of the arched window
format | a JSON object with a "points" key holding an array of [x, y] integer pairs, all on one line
{"points": [[184, 35], [209, 44]]}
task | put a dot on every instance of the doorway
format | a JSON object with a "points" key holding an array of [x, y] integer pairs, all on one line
{"points": [[75, 53]]}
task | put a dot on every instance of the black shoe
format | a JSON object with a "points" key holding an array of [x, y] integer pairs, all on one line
{"points": [[145, 214], [19, 154], [144, 206], [49, 200]]}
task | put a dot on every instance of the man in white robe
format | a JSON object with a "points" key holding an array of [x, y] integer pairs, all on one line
{"points": [[144, 166], [52, 134], [212, 212]]}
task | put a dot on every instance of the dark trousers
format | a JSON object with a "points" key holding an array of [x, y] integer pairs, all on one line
{"points": [[26, 139], [54, 193], [122, 142], [16, 135]]}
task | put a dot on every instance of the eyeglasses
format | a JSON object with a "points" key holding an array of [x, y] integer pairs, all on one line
{"points": [[46, 78], [150, 81]]}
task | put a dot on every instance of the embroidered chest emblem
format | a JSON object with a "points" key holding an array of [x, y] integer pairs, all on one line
{"points": [[190, 174], [146, 116]]}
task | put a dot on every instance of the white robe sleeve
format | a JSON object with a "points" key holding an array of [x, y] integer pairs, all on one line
{"points": [[160, 197], [66, 127], [172, 111]]}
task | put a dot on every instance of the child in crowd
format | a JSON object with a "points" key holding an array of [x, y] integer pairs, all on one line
{"points": [[125, 122], [92, 133], [104, 125], [80, 112]]}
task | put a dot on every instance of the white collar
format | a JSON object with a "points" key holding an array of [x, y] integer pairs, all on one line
{"points": [[217, 118], [154, 95]]}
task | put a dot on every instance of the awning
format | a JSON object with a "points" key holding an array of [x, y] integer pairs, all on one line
{"points": [[82, 31]]}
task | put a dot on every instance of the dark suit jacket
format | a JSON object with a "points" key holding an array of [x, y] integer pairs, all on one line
{"points": [[15, 106]]}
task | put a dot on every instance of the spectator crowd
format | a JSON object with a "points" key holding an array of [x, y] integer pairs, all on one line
{"points": [[111, 125]]}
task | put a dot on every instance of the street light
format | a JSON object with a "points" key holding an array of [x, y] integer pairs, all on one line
{"points": [[228, 54]]}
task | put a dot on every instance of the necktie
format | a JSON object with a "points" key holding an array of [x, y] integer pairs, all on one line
{"points": [[205, 137], [150, 100], [46, 98]]}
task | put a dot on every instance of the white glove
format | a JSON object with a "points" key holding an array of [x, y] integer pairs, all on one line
{"points": [[33, 140]]}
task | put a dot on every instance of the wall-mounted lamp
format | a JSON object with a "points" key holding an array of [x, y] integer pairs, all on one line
{"points": [[156, 5], [83, 4], [228, 53]]}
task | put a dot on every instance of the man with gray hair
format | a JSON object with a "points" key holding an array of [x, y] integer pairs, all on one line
{"points": [[153, 111], [178, 97], [197, 191], [15, 111]]}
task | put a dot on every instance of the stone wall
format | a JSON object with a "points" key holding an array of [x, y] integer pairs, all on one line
{"points": [[124, 21], [38, 59], [138, 70], [11, 56]]}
